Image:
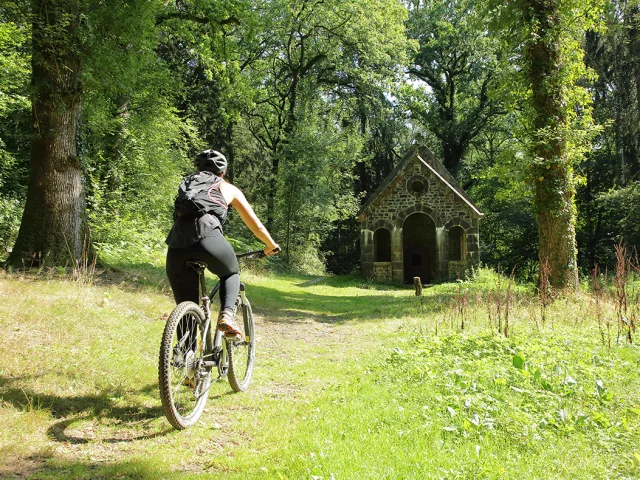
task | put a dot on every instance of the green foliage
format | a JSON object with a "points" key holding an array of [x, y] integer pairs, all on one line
{"points": [[10, 213], [15, 109], [501, 189], [132, 191], [316, 75], [620, 208], [15, 66], [133, 250], [612, 52], [482, 279], [310, 42], [208, 46], [458, 71], [526, 390], [314, 186], [135, 143]]}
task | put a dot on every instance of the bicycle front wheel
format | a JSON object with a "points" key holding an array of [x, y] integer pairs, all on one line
{"points": [[242, 352], [184, 381]]}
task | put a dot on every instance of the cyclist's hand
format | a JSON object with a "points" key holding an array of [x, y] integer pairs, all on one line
{"points": [[272, 249]]}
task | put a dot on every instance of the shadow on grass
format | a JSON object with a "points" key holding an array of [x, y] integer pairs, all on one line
{"points": [[58, 432], [293, 307], [352, 280], [280, 305], [69, 410], [45, 465]]}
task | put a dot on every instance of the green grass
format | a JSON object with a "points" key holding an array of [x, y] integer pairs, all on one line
{"points": [[351, 382]]}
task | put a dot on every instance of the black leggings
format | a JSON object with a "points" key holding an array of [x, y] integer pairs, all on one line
{"points": [[222, 261]]}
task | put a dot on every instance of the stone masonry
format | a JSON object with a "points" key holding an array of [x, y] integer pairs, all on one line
{"points": [[420, 185]]}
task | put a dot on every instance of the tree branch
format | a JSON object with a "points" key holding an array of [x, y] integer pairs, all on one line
{"points": [[194, 18]]}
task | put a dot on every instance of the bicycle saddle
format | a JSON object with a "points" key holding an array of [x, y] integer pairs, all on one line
{"points": [[196, 264]]}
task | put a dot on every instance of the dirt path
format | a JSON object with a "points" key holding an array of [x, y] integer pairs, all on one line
{"points": [[76, 420], [275, 331]]}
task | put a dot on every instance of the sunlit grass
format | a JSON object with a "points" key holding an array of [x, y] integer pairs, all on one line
{"points": [[353, 380]]}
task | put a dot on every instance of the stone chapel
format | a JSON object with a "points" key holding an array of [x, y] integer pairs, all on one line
{"points": [[418, 223]]}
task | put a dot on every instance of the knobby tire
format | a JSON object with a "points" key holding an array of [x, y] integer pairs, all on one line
{"points": [[184, 387], [242, 353]]}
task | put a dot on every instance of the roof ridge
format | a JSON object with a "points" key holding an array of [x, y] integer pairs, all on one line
{"points": [[438, 169]]}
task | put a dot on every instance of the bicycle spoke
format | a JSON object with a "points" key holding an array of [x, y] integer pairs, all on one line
{"points": [[242, 352], [183, 381]]}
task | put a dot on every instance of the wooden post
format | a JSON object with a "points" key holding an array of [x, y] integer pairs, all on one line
{"points": [[418, 284]]}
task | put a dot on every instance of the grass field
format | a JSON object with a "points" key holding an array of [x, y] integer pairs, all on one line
{"points": [[353, 380]]}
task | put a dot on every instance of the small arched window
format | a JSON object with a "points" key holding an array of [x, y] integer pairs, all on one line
{"points": [[382, 245], [457, 244]]}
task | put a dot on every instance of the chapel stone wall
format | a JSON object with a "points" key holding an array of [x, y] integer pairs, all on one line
{"points": [[404, 197]]}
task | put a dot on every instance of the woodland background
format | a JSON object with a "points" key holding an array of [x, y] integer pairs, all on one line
{"points": [[314, 101]]}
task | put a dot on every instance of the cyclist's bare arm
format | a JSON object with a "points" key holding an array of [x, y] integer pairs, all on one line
{"points": [[237, 200]]}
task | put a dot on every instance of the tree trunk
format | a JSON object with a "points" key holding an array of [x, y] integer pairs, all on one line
{"points": [[556, 227], [453, 151], [273, 187], [54, 228], [552, 171], [229, 150]]}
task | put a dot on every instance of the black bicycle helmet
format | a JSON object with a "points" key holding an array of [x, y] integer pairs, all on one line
{"points": [[212, 161]]}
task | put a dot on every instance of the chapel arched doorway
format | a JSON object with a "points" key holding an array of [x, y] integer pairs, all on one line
{"points": [[419, 248]]}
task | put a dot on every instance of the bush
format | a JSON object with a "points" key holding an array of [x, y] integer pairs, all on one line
{"points": [[10, 215]]}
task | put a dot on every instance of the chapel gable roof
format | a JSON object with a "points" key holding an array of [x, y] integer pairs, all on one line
{"points": [[429, 160]]}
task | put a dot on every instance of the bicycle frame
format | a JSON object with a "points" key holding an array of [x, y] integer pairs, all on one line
{"points": [[218, 339], [216, 346], [185, 370]]}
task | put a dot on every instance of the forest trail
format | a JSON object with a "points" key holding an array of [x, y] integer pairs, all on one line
{"points": [[92, 402], [285, 343], [275, 332]]}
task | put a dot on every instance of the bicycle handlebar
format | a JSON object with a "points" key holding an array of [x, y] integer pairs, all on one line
{"points": [[254, 254]]}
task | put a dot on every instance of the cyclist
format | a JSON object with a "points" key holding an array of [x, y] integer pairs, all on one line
{"points": [[201, 238]]}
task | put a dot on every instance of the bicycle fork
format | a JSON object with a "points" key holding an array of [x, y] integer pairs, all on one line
{"points": [[210, 348]]}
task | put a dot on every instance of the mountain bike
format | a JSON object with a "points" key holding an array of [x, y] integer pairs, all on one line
{"points": [[191, 348]]}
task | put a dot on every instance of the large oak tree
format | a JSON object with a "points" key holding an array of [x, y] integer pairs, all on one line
{"points": [[54, 227], [322, 49], [456, 72]]}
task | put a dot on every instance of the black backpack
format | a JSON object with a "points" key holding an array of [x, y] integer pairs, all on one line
{"points": [[193, 199]]}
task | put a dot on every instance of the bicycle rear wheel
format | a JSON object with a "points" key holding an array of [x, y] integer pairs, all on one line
{"points": [[184, 381], [242, 352]]}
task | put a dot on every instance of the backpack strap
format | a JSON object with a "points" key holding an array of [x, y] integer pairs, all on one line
{"points": [[215, 200]]}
